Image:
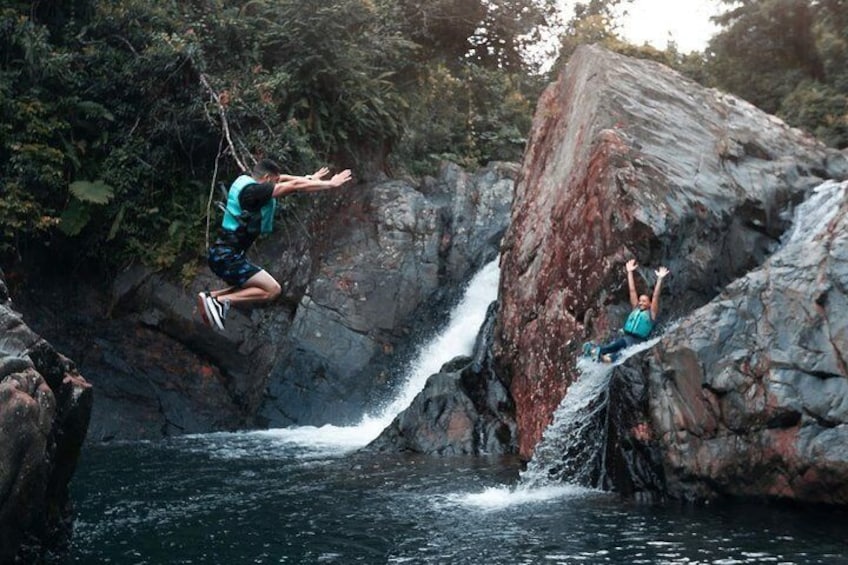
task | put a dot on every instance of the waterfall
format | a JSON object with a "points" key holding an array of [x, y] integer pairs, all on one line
{"points": [[573, 447], [816, 211], [457, 338]]}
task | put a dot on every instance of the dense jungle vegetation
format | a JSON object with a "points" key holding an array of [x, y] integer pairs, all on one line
{"points": [[118, 116]]}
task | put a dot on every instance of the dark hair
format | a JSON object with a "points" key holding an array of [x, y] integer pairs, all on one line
{"points": [[266, 167]]}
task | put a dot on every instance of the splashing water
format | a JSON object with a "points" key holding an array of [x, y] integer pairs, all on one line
{"points": [[499, 498], [573, 447], [569, 461]]}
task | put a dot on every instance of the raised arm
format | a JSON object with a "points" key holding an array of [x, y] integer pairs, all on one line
{"points": [[632, 266], [661, 273], [319, 174], [304, 184]]}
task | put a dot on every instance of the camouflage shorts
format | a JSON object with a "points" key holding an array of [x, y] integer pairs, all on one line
{"points": [[231, 264]]}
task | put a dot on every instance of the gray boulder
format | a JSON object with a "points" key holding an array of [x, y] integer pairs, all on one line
{"points": [[464, 409], [749, 394], [383, 284], [745, 394]]}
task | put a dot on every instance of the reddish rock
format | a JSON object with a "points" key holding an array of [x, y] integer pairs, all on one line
{"points": [[770, 377], [629, 159], [45, 406]]}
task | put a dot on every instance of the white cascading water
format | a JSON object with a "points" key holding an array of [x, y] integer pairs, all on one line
{"points": [[818, 210], [573, 446], [456, 339], [571, 449]]}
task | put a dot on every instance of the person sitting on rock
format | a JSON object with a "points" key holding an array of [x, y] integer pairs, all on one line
{"points": [[641, 320]]}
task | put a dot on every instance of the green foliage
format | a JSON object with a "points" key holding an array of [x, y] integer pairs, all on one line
{"points": [[508, 29], [762, 44], [160, 100], [478, 116], [591, 22], [787, 57], [97, 192], [151, 97], [75, 217], [78, 212], [473, 92], [303, 80], [33, 127], [494, 34], [820, 109]]}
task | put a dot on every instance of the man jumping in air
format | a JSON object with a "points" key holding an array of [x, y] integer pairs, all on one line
{"points": [[250, 207]]}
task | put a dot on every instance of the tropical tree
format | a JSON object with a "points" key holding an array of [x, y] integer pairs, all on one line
{"points": [[116, 113], [766, 48], [475, 81], [787, 57], [117, 118], [591, 22]]}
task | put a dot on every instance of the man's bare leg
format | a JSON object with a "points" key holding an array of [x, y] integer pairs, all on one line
{"points": [[261, 287]]}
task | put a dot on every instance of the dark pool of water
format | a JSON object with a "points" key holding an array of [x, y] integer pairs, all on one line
{"points": [[251, 498]]}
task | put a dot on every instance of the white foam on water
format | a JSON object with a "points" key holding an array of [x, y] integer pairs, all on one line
{"points": [[576, 429], [324, 438], [503, 497]]}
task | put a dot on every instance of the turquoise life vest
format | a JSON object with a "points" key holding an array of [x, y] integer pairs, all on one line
{"points": [[235, 217], [639, 323]]}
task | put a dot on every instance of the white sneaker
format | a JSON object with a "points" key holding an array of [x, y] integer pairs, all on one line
{"points": [[217, 312], [203, 308]]}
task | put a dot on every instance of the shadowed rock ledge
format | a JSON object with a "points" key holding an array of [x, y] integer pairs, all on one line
{"points": [[45, 406]]}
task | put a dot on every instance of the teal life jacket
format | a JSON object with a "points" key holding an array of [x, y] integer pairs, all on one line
{"points": [[235, 217], [639, 323]]}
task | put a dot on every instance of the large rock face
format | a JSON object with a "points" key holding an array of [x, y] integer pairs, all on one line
{"points": [[629, 159], [749, 394], [45, 407], [365, 271], [394, 262]]}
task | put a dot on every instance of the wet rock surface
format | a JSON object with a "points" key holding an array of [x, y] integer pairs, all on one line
{"points": [[45, 406], [629, 159], [366, 273], [743, 396]]}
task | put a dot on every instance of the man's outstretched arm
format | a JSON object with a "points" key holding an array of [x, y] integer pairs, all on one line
{"points": [[302, 184]]}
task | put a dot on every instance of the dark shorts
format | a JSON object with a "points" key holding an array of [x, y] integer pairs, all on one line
{"points": [[231, 264]]}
